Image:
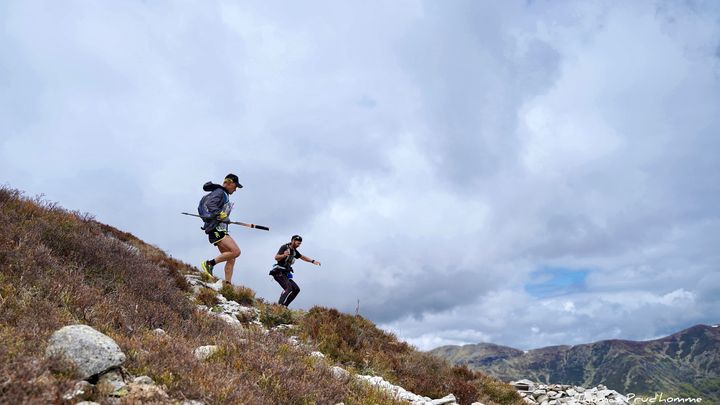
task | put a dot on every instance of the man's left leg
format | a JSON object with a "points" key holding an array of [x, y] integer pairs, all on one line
{"points": [[284, 282], [295, 290], [229, 250]]}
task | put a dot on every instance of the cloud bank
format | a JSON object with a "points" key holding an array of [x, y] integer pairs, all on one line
{"points": [[524, 173]]}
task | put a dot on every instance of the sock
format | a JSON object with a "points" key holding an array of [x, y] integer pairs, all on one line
{"points": [[211, 262]]}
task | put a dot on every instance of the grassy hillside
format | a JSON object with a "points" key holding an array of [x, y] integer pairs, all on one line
{"points": [[59, 268], [355, 342]]}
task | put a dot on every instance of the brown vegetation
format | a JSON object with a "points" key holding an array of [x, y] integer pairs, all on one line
{"points": [[207, 297], [272, 315], [358, 343], [240, 294], [59, 268]]}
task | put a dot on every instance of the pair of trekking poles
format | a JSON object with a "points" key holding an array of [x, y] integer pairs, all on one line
{"points": [[254, 226]]}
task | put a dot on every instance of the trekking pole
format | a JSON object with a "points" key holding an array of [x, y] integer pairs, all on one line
{"points": [[264, 228]]}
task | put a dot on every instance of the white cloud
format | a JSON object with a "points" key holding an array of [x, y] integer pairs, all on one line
{"points": [[432, 340], [433, 155]]}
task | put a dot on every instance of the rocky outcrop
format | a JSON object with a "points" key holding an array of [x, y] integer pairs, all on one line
{"points": [[96, 357], [204, 352], [113, 384], [557, 394], [402, 394], [227, 310], [89, 351], [142, 390]]}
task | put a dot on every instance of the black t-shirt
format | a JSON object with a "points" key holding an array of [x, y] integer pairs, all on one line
{"points": [[287, 262]]}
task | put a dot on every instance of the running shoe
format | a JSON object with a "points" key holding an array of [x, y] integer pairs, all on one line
{"points": [[207, 268]]}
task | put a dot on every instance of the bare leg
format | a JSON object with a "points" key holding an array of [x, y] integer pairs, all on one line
{"points": [[229, 251]]}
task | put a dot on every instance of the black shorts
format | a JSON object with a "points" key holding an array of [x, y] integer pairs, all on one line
{"points": [[216, 236]]}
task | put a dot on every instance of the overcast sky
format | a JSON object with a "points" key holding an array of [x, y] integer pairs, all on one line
{"points": [[526, 173]]}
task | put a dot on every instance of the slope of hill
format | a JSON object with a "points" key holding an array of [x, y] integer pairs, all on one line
{"points": [[59, 268], [685, 363]]}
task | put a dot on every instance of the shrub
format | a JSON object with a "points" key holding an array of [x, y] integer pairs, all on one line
{"points": [[497, 391], [245, 317], [240, 294], [272, 315], [353, 340], [207, 297]]}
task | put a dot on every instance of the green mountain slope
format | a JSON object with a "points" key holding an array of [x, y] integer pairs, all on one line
{"points": [[685, 362]]}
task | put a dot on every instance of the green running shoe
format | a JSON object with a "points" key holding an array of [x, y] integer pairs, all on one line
{"points": [[207, 267]]}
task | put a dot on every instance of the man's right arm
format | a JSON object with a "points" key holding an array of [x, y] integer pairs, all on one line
{"points": [[282, 253]]}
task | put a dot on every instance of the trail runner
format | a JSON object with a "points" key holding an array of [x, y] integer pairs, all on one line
{"points": [[219, 206], [282, 271]]}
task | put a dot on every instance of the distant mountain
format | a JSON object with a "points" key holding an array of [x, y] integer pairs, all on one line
{"points": [[687, 363]]}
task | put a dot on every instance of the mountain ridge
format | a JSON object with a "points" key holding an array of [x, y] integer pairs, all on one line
{"points": [[685, 362]]}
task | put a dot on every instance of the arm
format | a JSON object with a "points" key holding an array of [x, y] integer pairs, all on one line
{"points": [[283, 253], [309, 260]]}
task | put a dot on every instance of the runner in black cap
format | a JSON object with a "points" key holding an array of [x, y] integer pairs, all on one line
{"points": [[218, 206], [282, 271]]}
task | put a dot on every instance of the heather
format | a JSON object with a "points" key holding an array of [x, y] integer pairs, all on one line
{"points": [[357, 343], [59, 267]]}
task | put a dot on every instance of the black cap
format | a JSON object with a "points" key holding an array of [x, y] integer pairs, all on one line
{"points": [[296, 237], [234, 179]]}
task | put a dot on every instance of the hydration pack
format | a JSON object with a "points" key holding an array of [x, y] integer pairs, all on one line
{"points": [[208, 217]]}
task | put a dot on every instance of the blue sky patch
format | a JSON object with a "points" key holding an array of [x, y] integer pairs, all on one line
{"points": [[554, 281]]}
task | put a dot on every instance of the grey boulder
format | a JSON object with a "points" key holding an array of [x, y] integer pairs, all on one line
{"points": [[90, 351]]}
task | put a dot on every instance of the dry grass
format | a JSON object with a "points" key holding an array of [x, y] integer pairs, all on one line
{"points": [[207, 297], [358, 343], [272, 315], [240, 294], [59, 268]]}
